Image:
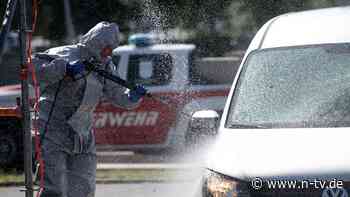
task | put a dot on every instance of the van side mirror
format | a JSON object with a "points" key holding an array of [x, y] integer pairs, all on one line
{"points": [[206, 121], [203, 125]]}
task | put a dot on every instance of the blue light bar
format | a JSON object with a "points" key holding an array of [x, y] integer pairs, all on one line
{"points": [[141, 40]]}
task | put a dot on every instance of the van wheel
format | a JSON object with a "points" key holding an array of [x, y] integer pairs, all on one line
{"points": [[8, 149]]}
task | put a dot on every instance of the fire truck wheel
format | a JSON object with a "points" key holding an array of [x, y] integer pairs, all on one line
{"points": [[8, 149]]}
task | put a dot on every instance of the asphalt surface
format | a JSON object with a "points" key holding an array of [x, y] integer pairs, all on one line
{"points": [[184, 189]]}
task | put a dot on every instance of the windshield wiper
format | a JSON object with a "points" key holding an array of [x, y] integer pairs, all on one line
{"points": [[239, 125]]}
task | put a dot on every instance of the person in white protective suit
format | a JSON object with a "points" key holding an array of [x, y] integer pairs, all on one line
{"points": [[69, 94]]}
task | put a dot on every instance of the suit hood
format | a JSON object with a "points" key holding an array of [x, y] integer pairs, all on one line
{"points": [[101, 35]]}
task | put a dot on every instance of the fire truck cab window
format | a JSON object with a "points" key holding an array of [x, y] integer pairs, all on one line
{"points": [[151, 69]]}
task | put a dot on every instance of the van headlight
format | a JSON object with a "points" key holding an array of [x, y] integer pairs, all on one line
{"points": [[216, 185]]}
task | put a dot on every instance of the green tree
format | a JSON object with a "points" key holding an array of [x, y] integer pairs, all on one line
{"points": [[85, 13]]}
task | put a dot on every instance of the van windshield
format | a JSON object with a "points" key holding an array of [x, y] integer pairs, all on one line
{"points": [[293, 87]]}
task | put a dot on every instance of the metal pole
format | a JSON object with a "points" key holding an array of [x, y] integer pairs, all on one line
{"points": [[69, 22], [27, 140]]}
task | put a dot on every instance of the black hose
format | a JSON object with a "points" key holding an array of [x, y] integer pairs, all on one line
{"points": [[42, 136]]}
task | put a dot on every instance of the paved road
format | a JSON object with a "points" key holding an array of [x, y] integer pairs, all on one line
{"points": [[185, 189]]}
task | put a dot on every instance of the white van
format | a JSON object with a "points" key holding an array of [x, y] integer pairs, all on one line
{"points": [[285, 127]]}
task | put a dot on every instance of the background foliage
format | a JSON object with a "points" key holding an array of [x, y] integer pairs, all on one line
{"points": [[216, 26]]}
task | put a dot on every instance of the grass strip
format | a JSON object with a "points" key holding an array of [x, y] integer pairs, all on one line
{"points": [[11, 177], [116, 175]]}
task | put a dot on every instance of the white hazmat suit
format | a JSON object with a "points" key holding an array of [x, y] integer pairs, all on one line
{"points": [[66, 112]]}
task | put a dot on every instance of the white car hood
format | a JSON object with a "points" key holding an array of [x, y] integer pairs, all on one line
{"points": [[288, 153]]}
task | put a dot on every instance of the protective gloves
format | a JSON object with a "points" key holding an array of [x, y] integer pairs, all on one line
{"points": [[74, 68], [137, 93]]}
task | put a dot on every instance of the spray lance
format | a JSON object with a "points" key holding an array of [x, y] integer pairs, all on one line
{"points": [[94, 66]]}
